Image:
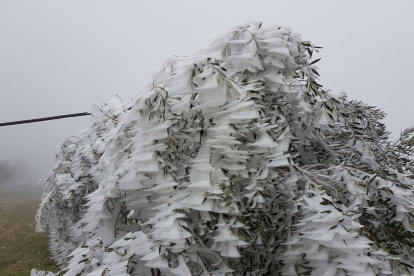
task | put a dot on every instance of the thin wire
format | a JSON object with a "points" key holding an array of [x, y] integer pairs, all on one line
{"points": [[45, 119]]}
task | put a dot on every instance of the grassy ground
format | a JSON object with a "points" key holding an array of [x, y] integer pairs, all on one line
{"points": [[21, 249]]}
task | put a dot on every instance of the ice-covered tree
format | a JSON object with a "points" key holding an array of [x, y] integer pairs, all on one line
{"points": [[234, 161]]}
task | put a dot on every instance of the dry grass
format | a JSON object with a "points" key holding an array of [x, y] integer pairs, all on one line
{"points": [[21, 249]]}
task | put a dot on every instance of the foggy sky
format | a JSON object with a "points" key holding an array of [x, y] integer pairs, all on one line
{"points": [[59, 57]]}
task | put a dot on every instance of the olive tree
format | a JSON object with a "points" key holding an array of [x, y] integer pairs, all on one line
{"points": [[234, 161]]}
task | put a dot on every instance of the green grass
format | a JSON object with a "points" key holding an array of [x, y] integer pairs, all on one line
{"points": [[21, 248]]}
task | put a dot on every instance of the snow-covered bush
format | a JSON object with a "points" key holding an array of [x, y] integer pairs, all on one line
{"points": [[233, 161]]}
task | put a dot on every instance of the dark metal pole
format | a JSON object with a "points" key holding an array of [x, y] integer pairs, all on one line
{"points": [[45, 119]]}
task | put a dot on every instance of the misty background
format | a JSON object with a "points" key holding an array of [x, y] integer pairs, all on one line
{"points": [[59, 57]]}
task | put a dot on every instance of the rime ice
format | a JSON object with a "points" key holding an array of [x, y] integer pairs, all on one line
{"points": [[233, 161]]}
